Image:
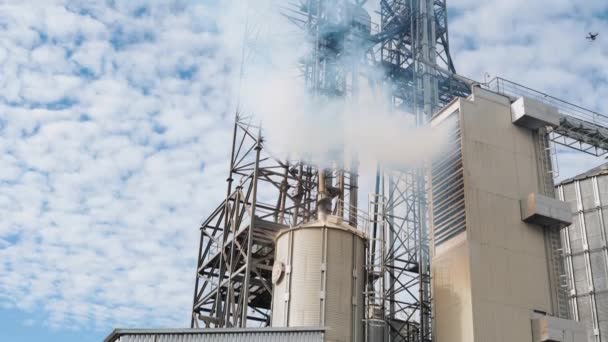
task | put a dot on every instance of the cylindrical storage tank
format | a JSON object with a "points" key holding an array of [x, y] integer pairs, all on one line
{"points": [[585, 249], [318, 279]]}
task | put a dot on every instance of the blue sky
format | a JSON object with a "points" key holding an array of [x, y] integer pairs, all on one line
{"points": [[114, 130]]}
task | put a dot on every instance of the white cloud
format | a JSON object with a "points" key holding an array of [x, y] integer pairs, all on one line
{"points": [[110, 160], [540, 44]]}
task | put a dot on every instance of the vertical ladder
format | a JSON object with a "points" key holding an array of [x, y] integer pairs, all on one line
{"points": [[375, 324], [546, 157], [546, 153]]}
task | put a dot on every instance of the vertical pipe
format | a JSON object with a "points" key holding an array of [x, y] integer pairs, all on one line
{"points": [[391, 253], [354, 172], [353, 192], [323, 200], [370, 285], [280, 214], [245, 288], [299, 194], [446, 34], [425, 56], [228, 311], [414, 22], [316, 65], [194, 320], [354, 288], [309, 188], [423, 258], [375, 215], [340, 184]]}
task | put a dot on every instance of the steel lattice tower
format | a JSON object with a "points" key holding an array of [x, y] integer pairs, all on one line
{"points": [[414, 52], [410, 50]]}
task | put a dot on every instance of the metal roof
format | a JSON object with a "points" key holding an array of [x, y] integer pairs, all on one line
{"points": [[596, 171], [299, 334]]}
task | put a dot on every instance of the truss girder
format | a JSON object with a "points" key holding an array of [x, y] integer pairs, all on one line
{"points": [[236, 253]]}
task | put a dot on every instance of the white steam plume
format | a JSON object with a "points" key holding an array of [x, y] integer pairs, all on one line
{"points": [[294, 123]]}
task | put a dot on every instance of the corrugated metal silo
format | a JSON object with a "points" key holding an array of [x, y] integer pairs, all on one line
{"points": [[319, 279], [586, 251]]}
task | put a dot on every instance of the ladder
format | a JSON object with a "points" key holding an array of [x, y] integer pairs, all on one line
{"points": [[375, 268]]}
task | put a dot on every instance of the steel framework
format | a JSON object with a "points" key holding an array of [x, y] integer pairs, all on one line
{"points": [[236, 253], [410, 50], [408, 53], [579, 128], [414, 53]]}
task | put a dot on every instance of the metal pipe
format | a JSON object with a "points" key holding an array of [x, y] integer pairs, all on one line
{"points": [[229, 181], [353, 192], [322, 196], [245, 288]]}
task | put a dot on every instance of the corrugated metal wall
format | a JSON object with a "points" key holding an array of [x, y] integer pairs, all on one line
{"points": [[325, 284], [586, 252], [447, 192], [218, 335]]}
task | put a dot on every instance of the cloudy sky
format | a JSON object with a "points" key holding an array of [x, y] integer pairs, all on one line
{"points": [[114, 136]]}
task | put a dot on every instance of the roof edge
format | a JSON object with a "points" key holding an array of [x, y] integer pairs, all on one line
{"points": [[593, 172], [116, 333]]}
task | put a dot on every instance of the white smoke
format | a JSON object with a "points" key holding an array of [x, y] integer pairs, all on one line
{"points": [[324, 131], [272, 89]]}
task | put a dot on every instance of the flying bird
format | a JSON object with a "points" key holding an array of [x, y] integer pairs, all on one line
{"points": [[592, 36]]}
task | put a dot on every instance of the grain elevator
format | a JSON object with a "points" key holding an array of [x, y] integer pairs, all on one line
{"points": [[465, 248]]}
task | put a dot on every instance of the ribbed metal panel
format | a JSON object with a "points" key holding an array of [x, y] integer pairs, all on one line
{"points": [[585, 311], [448, 186], [586, 250], [602, 313], [218, 335], [324, 279], [255, 337]]}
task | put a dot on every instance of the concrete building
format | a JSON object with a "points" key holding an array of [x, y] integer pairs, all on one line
{"points": [[586, 251], [494, 221]]}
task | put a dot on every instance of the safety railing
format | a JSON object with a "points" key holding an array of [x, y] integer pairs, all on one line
{"points": [[509, 88]]}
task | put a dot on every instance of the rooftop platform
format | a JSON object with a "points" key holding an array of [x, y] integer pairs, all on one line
{"points": [[579, 128]]}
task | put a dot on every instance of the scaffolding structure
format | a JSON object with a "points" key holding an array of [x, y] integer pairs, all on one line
{"points": [[413, 50], [409, 48], [408, 53], [264, 195]]}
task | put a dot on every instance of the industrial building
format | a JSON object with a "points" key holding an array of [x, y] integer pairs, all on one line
{"points": [[492, 223], [585, 249], [465, 249], [495, 272]]}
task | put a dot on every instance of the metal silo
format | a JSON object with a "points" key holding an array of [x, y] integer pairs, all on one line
{"points": [[585, 249], [318, 278]]}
